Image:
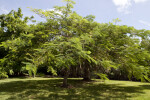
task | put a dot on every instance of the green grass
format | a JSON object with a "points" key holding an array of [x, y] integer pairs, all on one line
{"points": [[49, 89]]}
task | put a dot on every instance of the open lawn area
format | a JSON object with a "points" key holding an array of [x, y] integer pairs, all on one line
{"points": [[50, 89]]}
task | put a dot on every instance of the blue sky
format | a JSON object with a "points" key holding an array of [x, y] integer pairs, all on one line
{"points": [[131, 12]]}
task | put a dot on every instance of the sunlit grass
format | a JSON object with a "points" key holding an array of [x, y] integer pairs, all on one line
{"points": [[50, 89]]}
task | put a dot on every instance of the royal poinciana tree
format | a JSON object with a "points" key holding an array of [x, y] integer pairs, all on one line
{"points": [[68, 37]]}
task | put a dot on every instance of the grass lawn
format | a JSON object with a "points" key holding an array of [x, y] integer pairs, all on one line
{"points": [[49, 89]]}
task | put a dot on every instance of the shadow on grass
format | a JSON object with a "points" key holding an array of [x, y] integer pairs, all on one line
{"points": [[51, 90]]}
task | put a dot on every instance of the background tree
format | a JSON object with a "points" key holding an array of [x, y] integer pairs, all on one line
{"points": [[14, 32]]}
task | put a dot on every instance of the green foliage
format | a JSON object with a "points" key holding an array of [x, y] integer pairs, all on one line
{"points": [[107, 64], [3, 74], [52, 70], [33, 61], [102, 76]]}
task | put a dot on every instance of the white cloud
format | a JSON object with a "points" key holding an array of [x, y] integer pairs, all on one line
{"points": [[140, 1], [124, 5], [56, 11], [145, 23], [5, 11], [122, 2]]}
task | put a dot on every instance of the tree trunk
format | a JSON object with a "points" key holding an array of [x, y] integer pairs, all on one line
{"points": [[86, 74], [66, 74], [33, 75]]}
